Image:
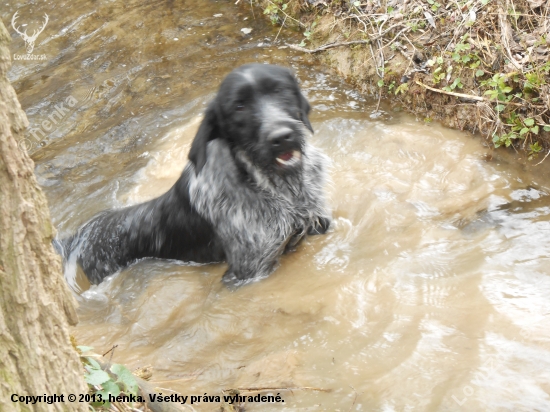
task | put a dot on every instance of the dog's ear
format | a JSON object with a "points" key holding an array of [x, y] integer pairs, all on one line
{"points": [[304, 112], [208, 130]]}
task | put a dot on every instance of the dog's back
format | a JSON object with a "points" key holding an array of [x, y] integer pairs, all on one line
{"points": [[160, 228]]}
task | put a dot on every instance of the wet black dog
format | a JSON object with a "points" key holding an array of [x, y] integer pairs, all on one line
{"points": [[252, 190]]}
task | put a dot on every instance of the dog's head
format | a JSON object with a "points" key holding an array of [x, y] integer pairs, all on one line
{"points": [[260, 111]]}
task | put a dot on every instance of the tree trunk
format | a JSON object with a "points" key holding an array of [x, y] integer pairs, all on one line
{"points": [[36, 307]]}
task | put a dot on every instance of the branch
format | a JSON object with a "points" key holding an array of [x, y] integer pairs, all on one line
{"points": [[463, 95], [471, 96], [349, 43], [262, 389], [328, 46], [286, 15]]}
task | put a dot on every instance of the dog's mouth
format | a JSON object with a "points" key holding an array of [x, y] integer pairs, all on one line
{"points": [[289, 159]]}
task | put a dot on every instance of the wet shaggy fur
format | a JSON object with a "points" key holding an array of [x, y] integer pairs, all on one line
{"points": [[253, 188]]}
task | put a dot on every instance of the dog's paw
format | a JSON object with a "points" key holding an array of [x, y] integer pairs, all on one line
{"points": [[294, 240], [320, 227], [232, 280]]}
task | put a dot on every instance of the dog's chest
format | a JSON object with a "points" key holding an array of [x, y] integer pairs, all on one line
{"points": [[274, 209]]}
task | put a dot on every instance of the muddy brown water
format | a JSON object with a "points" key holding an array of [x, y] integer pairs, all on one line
{"points": [[430, 293]]}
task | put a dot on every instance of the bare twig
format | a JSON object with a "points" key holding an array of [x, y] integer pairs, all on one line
{"points": [[279, 32], [354, 399], [111, 350], [290, 17], [463, 95], [308, 388], [328, 46], [349, 43], [544, 158], [470, 96], [506, 36], [379, 99]]}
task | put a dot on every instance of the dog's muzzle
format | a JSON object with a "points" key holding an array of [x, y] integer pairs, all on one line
{"points": [[285, 144]]}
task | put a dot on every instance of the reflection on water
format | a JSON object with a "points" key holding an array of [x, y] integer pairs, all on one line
{"points": [[431, 292]]}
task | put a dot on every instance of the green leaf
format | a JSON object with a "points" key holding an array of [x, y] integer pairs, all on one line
{"points": [[455, 83], [499, 107], [106, 404], [480, 73], [466, 58], [357, 3], [491, 93], [93, 363], [523, 131], [110, 387], [284, 6], [535, 129], [529, 122], [546, 128], [125, 377], [96, 376], [535, 148], [402, 88], [380, 83]]}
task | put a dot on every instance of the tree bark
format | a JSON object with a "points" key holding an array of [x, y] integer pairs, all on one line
{"points": [[36, 307]]}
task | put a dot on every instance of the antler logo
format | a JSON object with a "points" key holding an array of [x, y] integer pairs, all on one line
{"points": [[29, 40]]}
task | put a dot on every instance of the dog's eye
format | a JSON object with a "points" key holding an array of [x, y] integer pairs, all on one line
{"points": [[240, 106]]}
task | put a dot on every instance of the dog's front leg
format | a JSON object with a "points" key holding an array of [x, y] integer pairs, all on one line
{"points": [[249, 261]]}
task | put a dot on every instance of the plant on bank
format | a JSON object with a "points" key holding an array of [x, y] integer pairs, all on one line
{"points": [[115, 381], [468, 54]]}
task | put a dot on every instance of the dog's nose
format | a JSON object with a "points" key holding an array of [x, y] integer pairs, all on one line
{"points": [[281, 136]]}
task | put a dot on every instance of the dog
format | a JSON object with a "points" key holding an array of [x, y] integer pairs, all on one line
{"points": [[252, 190]]}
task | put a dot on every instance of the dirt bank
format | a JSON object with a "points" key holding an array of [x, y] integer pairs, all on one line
{"points": [[477, 65]]}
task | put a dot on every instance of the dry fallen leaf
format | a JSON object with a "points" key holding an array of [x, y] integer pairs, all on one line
{"points": [[472, 15], [535, 3], [430, 18]]}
